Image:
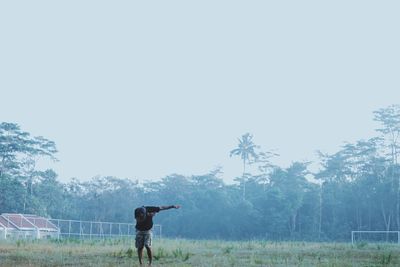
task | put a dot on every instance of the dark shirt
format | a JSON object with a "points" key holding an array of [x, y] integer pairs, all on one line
{"points": [[147, 224]]}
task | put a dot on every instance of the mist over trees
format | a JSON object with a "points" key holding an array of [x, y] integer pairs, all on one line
{"points": [[356, 188]]}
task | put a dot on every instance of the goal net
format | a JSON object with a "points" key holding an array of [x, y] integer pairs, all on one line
{"points": [[375, 237]]}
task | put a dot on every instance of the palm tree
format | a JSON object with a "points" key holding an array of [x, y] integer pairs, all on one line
{"points": [[246, 151]]}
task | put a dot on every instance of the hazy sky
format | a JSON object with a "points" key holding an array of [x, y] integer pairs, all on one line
{"points": [[144, 89]]}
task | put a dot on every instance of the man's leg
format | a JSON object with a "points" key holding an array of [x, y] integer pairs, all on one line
{"points": [[149, 254], [139, 244], [140, 254], [147, 244]]}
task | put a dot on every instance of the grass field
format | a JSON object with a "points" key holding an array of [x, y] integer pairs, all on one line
{"points": [[168, 252]]}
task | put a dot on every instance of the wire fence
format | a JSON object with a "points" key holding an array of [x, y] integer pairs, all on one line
{"points": [[375, 236], [92, 229]]}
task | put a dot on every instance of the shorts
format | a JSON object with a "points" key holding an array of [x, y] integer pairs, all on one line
{"points": [[143, 238]]}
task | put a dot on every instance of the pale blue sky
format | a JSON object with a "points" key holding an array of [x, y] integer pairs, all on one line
{"points": [[143, 89]]}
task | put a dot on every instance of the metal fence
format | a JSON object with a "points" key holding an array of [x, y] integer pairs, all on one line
{"points": [[92, 229], [375, 236]]}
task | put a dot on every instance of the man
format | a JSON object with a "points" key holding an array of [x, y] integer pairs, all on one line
{"points": [[144, 223]]}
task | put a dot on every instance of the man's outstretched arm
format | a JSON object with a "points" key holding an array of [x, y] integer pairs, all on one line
{"points": [[169, 207]]}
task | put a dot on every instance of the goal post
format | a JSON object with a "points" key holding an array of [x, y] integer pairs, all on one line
{"points": [[157, 230], [375, 236]]}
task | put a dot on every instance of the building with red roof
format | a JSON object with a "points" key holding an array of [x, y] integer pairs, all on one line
{"points": [[15, 225]]}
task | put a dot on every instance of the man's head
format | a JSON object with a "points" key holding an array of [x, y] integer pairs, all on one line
{"points": [[140, 214]]}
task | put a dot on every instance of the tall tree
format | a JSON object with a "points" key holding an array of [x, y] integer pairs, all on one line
{"points": [[335, 172], [246, 149], [390, 119], [18, 147], [266, 167], [18, 154]]}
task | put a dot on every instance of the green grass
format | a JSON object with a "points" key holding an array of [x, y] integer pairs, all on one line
{"points": [[169, 252]]}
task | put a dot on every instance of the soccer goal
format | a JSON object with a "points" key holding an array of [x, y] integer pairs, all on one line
{"points": [[375, 237]]}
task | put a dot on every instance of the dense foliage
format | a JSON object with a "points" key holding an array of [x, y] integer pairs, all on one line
{"points": [[356, 188]]}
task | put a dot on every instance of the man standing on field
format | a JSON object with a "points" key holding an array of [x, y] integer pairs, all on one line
{"points": [[144, 223]]}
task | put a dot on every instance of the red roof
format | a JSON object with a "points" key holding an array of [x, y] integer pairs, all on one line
{"points": [[26, 222], [18, 220], [40, 222], [5, 224]]}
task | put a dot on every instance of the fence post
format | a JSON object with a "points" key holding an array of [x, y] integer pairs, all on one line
{"points": [[80, 230], [352, 237], [69, 229], [59, 230]]}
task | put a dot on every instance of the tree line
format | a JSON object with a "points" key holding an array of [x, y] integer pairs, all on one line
{"points": [[356, 188]]}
